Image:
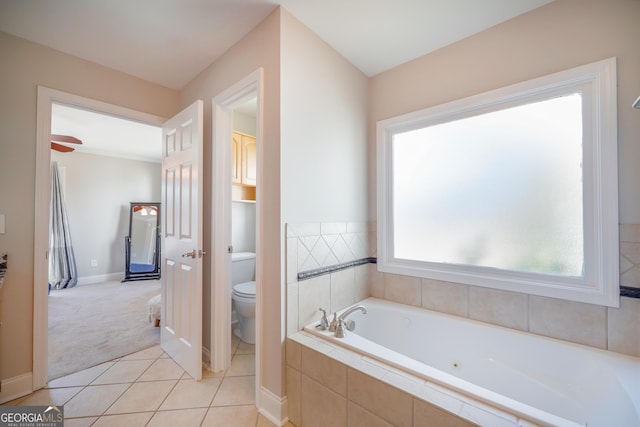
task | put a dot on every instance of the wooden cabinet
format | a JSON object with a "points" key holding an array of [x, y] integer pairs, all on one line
{"points": [[249, 157], [243, 165]]}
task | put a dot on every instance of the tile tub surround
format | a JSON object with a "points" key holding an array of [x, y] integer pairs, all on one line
{"points": [[615, 329], [343, 251], [309, 247], [329, 385]]}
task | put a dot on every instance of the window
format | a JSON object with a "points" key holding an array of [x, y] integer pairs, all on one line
{"points": [[514, 189]]}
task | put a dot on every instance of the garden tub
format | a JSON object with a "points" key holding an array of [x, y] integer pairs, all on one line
{"points": [[538, 380]]}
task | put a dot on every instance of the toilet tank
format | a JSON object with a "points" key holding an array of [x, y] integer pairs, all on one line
{"points": [[243, 267]]}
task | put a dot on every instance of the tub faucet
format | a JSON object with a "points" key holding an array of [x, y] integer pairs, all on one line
{"points": [[349, 325], [362, 308], [334, 323], [324, 323]]}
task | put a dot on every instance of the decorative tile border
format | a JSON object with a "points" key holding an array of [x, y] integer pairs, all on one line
{"points": [[310, 274], [321, 245], [625, 291], [629, 292]]}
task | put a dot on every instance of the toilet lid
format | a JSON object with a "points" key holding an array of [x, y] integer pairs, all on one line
{"points": [[247, 289]]}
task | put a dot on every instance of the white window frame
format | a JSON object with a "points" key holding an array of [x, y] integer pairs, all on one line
{"points": [[600, 283]]}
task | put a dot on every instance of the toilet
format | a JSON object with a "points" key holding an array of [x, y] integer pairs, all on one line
{"points": [[243, 295]]}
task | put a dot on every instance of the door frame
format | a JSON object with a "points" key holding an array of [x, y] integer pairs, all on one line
{"points": [[47, 97], [222, 111]]}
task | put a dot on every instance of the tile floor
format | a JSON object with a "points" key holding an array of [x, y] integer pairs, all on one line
{"points": [[149, 389]]}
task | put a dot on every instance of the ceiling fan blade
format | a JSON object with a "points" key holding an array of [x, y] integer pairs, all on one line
{"points": [[61, 148], [65, 138]]}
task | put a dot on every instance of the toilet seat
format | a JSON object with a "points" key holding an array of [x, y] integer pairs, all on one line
{"points": [[243, 296], [245, 290]]}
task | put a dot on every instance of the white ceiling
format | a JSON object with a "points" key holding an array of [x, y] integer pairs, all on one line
{"points": [[106, 135], [169, 42]]}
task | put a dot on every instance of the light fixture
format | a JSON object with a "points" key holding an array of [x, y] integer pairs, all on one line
{"points": [[636, 103]]}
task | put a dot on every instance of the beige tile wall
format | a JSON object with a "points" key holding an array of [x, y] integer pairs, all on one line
{"points": [[322, 391], [317, 245], [614, 329]]}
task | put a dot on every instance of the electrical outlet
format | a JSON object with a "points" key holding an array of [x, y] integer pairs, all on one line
{"points": [[94, 263]]}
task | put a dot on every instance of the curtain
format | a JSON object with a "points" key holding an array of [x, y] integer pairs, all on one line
{"points": [[62, 262]]}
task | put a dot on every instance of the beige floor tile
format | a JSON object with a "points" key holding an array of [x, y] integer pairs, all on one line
{"points": [[182, 417], [208, 374], [236, 391], [93, 400], [264, 422], [236, 416], [125, 371], [244, 348], [142, 397], [189, 393], [150, 353], [242, 365], [162, 369], [81, 378], [50, 396], [235, 342], [79, 422], [139, 419]]}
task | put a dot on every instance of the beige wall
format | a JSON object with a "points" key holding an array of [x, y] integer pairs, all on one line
{"points": [[25, 66], [336, 120], [324, 141], [555, 37], [98, 208], [260, 48], [324, 104], [558, 36]]}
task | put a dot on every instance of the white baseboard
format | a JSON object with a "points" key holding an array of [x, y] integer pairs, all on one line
{"points": [[90, 280], [13, 388], [272, 407]]}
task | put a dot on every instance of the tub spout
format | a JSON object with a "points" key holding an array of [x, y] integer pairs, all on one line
{"points": [[362, 308], [349, 325]]}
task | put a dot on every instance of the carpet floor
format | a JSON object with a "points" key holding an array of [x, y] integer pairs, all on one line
{"points": [[92, 324]]}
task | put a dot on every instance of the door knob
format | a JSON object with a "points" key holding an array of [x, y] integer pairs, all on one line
{"points": [[193, 254]]}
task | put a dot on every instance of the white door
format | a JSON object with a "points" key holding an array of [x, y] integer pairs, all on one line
{"points": [[181, 332]]}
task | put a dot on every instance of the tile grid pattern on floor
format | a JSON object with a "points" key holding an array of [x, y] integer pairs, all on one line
{"points": [[149, 389]]}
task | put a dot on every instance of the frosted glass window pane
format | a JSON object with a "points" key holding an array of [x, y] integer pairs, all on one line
{"points": [[501, 189]]}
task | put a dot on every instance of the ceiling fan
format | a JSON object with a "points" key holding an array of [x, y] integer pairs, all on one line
{"points": [[55, 139]]}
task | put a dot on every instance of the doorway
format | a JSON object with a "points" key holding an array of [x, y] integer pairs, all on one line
{"points": [[46, 99], [83, 333], [247, 91], [243, 236]]}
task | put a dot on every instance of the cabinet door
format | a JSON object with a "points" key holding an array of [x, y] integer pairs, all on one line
{"points": [[236, 156], [249, 157]]}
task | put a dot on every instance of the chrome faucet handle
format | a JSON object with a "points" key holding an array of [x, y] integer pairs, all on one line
{"points": [[350, 324], [324, 322], [340, 329], [334, 323]]}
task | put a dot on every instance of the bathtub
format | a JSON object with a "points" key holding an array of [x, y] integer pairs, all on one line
{"points": [[538, 380]]}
